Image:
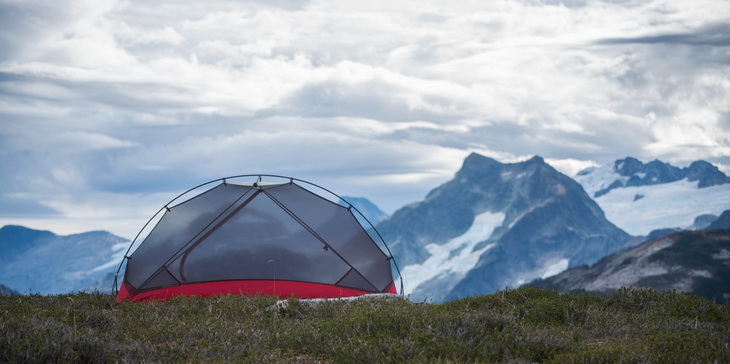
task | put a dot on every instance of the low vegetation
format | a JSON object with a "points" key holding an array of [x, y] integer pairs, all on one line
{"points": [[521, 325]]}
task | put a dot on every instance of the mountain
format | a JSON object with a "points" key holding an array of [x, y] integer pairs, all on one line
{"points": [[697, 262], [640, 198], [722, 222], [703, 221], [629, 172], [16, 240], [367, 209], [35, 261], [497, 225], [6, 291]]}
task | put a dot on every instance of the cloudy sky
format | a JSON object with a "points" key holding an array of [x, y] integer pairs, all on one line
{"points": [[110, 108]]}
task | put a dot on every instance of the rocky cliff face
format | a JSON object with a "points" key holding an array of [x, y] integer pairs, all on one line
{"points": [[697, 262], [496, 225]]}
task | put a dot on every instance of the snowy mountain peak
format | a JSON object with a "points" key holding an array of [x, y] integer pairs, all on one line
{"points": [[688, 261], [644, 197], [495, 225], [653, 172], [631, 172], [706, 173], [475, 166]]}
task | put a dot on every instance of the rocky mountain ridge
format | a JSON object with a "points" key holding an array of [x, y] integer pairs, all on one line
{"points": [[632, 172], [696, 262], [494, 225], [497, 225], [641, 198], [35, 261]]}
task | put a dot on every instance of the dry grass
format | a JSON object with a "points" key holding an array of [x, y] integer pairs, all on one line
{"points": [[522, 325]]}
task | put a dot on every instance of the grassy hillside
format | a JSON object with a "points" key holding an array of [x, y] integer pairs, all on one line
{"points": [[522, 325]]}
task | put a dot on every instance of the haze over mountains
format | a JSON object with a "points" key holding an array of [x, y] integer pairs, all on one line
{"points": [[369, 210], [494, 225], [34, 261]]}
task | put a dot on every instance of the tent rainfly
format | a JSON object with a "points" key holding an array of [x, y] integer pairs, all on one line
{"points": [[257, 239]]}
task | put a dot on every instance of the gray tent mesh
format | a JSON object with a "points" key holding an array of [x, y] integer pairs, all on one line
{"points": [[259, 231]]}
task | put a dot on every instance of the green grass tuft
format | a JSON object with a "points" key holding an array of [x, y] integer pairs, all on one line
{"points": [[521, 325]]}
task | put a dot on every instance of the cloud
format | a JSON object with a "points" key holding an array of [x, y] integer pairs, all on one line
{"points": [[277, 148], [110, 102], [373, 99], [89, 141], [708, 35], [21, 206], [570, 167]]}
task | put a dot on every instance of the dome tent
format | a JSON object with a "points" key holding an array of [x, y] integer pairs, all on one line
{"points": [[273, 238]]}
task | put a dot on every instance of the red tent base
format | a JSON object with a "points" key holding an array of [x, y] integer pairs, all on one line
{"points": [[282, 289]]}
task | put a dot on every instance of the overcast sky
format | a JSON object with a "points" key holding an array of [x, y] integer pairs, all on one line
{"points": [[110, 108]]}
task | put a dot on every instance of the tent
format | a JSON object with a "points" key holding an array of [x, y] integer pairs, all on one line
{"points": [[271, 238]]}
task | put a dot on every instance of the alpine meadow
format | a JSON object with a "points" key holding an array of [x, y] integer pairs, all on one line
{"points": [[524, 325]]}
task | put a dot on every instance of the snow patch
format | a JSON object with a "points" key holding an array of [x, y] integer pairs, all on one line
{"points": [[457, 256], [118, 254], [724, 254], [599, 178], [555, 268], [511, 176], [112, 263], [120, 246]]}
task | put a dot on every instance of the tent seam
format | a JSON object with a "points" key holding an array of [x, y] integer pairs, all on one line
{"points": [[311, 231]]}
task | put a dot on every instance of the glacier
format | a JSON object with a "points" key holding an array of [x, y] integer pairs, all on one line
{"points": [[456, 257], [667, 205]]}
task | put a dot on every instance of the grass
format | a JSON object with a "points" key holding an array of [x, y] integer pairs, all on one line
{"points": [[521, 325]]}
